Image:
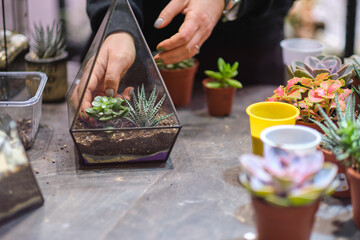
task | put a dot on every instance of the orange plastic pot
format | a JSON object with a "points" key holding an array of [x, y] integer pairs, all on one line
{"points": [[179, 83], [343, 191], [219, 100], [354, 178], [274, 222]]}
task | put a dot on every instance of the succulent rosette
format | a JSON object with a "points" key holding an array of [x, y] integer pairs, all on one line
{"points": [[287, 179]]}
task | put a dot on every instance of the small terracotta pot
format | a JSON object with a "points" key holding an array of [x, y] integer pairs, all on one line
{"points": [[310, 124], [274, 222], [354, 179], [343, 191], [179, 83], [219, 100]]}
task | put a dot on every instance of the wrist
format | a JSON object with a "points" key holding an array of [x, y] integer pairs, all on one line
{"points": [[231, 9]]}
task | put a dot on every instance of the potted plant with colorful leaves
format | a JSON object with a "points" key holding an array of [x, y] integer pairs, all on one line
{"points": [[308, 94], [343, 139], [312, 66], [179, 79], [332, 139], [286, 189], [47, 54], [220, 87]]}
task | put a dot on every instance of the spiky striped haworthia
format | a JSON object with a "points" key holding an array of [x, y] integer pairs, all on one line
{"points": [[48, 42], [144, 112]]}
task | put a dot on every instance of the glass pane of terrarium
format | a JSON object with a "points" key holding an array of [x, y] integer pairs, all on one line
{"points": [[18, 187], [13, 31], [102, 136]]}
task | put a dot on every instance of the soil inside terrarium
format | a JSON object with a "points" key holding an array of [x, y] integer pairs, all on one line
{"points": [[124, 142], [24, 127]]}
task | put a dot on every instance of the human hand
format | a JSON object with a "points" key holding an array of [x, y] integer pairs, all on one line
{"points": [[201, 17], [116, 56]]}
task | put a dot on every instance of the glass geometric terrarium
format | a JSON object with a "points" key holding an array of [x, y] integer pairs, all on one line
{"points": [[140, 123], [19, 191]]}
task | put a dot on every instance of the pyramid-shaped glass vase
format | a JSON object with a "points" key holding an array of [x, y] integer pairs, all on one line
{"points": [[139, 123]]}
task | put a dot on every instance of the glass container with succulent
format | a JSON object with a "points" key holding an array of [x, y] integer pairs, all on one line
{"points": [[142, 124]]}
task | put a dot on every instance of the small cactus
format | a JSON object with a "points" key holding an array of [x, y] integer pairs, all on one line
{"points": [[49, 42]]}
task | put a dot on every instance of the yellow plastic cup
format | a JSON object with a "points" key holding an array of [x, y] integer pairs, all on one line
{"points": [[266, 114]]}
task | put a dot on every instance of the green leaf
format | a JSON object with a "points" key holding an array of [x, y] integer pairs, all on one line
{"points": [[212, 74], [96, 104], [234, 83], [213, 85], [221, 64]]}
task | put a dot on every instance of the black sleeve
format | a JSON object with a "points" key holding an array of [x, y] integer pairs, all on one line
{"points": [[96, 10], [261, 8]]}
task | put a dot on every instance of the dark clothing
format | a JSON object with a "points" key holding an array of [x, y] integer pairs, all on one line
{"points": [[253, 39]]}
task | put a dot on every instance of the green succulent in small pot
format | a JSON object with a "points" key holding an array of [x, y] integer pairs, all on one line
{"points": [[220, 87], [286, 189], [47, 54], [179, 74], [224, 77]]}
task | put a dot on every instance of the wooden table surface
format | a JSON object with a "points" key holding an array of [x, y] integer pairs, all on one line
{"points": [[194, 195]]}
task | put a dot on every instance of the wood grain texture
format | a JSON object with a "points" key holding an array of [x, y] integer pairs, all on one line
{"points": [[194, 195]]}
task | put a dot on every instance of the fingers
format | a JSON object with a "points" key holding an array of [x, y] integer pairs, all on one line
{"points": [[201, 17], [121, 55], [186, 43], [169, 12]]}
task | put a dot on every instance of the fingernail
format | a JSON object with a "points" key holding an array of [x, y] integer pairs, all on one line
{"points": [[160, 49], [109, 92], [158, 22]]}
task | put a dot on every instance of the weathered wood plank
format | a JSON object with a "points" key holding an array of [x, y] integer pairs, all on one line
{"points": [[194, 195]]}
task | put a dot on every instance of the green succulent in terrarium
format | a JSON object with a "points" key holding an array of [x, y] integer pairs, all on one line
{"points": [[313, 66], [224, 77], [145, 112], [48, 42], [107, 108]]}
